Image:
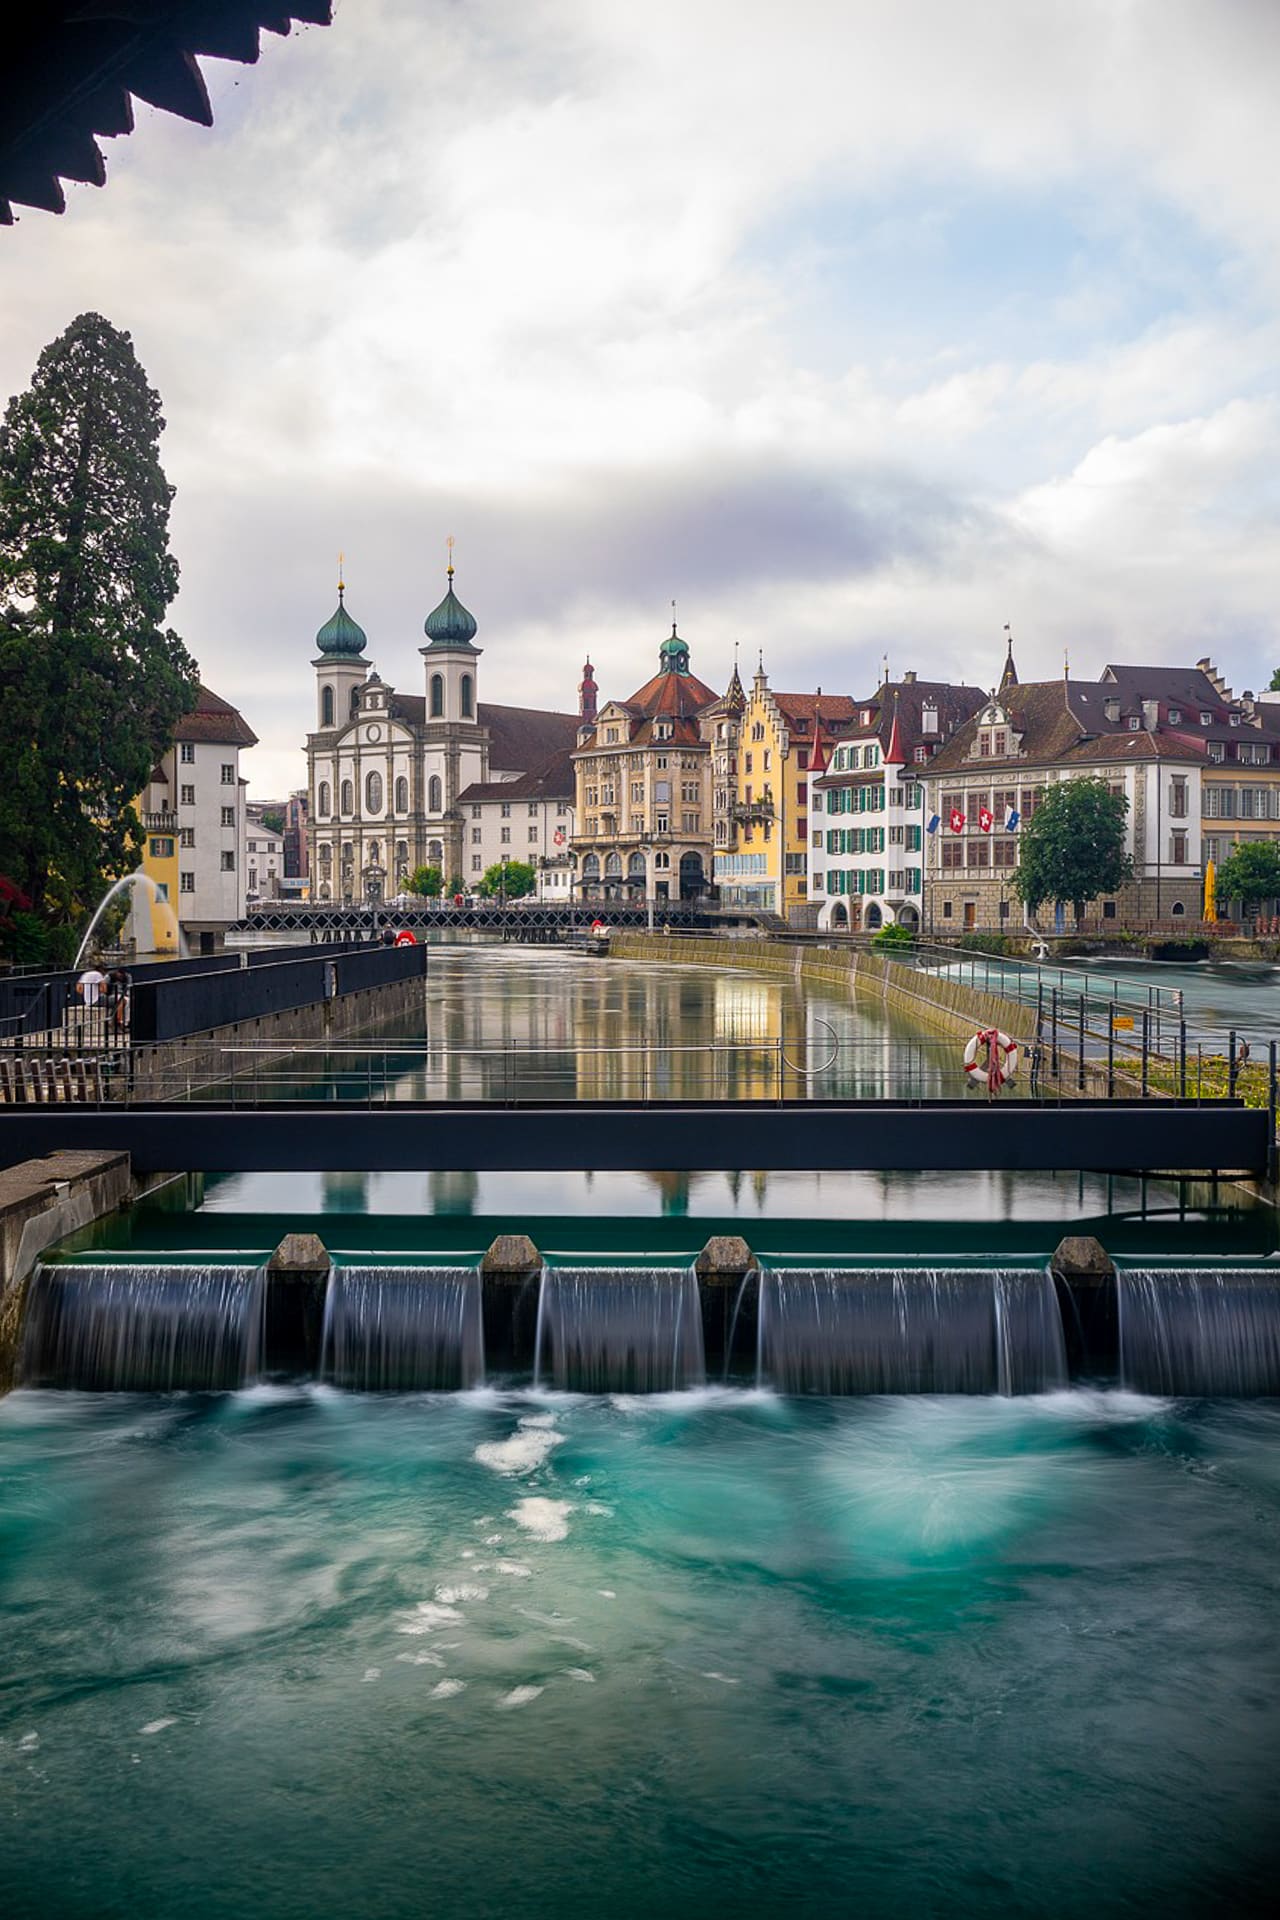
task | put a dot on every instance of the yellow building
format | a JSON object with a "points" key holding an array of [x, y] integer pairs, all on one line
{"points": [[764, 866]]}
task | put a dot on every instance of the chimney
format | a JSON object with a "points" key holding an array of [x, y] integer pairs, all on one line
{"points": [[909, 679], [1151, 715], [1111, 706]]}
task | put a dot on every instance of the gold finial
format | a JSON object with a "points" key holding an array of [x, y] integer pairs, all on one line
{"points": [[449, 544]]}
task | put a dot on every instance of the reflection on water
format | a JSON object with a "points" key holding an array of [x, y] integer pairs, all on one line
{"points": [[537, 1023], [280, 1654]]}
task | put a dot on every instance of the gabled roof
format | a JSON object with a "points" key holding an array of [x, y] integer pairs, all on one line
{"points": [[216, 722], [1064, 722], [673, 695], [521, 738]]}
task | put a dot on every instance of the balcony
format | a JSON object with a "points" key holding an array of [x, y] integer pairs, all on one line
{"points": [[163, 822], [748, 812]]}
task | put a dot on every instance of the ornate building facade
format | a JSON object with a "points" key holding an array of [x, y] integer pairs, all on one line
{"points": [[644, 788], [386, 771]]}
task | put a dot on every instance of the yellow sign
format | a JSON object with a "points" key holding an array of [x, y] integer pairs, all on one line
{"points": [[1122, 1020]]}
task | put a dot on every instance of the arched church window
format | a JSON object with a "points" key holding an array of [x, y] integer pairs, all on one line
{"points": [[402, 795], [324, 795], [373, 793], [326, 706], [433, 794], [590, 867], [613, 866], [348, 797], [437, 696], [326, 857], [467, 695], [355, 700]]}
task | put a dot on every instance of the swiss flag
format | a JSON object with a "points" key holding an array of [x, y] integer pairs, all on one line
{"points": [[955, 820], [986, 819]]}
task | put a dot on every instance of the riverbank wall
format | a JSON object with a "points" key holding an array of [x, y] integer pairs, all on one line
{"points": [[943, 1006]]}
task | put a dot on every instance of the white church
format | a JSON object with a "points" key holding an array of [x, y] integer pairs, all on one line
{"points": [[387, 771]]}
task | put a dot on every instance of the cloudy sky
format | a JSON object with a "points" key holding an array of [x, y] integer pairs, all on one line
{"points": [[856, 328]]}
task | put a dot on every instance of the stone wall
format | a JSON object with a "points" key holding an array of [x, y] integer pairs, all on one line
{"points": [[944, 1006], [41, 1202]]}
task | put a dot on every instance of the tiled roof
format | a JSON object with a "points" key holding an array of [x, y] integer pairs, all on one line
{"points": [[216, 722], [521, 738], [674, 695], [554, 781], [1065, 723], [798, 709]]}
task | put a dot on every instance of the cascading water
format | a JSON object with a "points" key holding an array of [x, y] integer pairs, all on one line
{"points": [[619, 1331], [910, 1330], [143, 1329], [404, 1329], [1192, 1332]]}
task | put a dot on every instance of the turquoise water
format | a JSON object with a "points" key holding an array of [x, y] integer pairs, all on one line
{"points": [[288, 1654]]}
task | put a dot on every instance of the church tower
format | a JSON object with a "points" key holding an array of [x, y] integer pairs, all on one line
{"points": [[340, 671], [588, 694], [455, 747]]}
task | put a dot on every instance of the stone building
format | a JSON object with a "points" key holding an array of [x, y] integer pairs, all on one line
{"points": [[764, 865], [529, 819], [989, 780], [386, 770], [644, 789], [867, 804]]}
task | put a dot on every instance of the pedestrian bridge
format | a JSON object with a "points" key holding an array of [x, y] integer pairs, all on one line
{"points": [[1208, 1138]]}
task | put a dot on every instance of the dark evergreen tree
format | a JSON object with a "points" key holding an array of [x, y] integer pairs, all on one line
{"points": [[91, 680], [1073, 847]]}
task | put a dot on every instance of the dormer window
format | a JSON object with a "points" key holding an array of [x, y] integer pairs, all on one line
{"points": [[1133, 721], [1206, 719], [984, 745], [1175, 716], [1217, 752], [929, 719], [1000, 743], [866, 716], [1233, 719], [920, 755]]}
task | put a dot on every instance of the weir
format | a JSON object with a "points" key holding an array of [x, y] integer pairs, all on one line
{"points": [[601, 1329], [403, 1329], [155, 1329]]}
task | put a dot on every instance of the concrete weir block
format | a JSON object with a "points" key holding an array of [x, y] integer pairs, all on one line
{"points": [[724, 1259], [510, 1273], [1084, 1276], [730, 1307], [297, 1282]]}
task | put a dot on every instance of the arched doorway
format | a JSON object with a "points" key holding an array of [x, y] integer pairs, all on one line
{"points": [[692, 882], [590, 875], [636, 874], [909, 917], [874, 916], [839, 917]]}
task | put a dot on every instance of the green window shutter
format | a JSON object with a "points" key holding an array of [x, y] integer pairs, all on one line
{"points": [[833, 839]]}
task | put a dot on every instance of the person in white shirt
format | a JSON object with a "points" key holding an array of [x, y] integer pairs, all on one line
{"points": [[90, 984]]}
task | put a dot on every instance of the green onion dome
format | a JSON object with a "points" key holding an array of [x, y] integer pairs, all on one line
{"points": [[449, 624], [340, 635]]}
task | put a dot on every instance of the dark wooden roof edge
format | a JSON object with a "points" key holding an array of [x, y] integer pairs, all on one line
{"points": [[73, 69]]}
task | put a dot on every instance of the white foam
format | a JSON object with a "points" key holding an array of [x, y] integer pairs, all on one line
{"points": [[515, 1569], [518, 1697], [452, 1596], [427, 1616], [157, 1726], [445, 1689], [28, 1743], [606, 1593], [521, 1452], [580, 1673], [541, 1420], [547, 1619], [725, 1679], [544, 1519], [422, 1659], [372, 1673]]}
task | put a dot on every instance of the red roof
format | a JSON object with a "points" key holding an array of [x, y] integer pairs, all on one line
{"points": [[215, 721]]}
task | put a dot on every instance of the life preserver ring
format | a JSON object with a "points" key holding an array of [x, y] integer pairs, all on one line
{"points": [[406, 939], [991, 1058]]}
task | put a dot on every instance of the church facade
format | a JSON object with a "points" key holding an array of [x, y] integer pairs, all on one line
{"points": [[386, 770]]}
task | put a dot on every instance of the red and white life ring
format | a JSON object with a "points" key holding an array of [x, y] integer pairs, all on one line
{"points": [[406, 939], [991, 1058]]}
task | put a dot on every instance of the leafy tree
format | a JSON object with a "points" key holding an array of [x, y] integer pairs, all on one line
{"points": [[511, 882], [456, 886], [92, 683], [425, 880], [1250, 873], [1073, 846], [1273, 685], [273, 820], [894, 935]]}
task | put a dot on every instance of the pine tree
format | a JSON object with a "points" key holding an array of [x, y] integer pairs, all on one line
{"points": [[92, 683]]}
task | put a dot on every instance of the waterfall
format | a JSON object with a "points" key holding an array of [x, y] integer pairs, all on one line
{"points": [[143, 1329], [910, 1330], [1208, 1332], [403, 1329], [619, 1331]]}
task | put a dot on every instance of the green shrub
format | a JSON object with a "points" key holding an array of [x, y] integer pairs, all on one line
{"points": [[891, 937], [993, 943]]}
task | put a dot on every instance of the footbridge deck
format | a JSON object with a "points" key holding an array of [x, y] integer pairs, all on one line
{"points": [[1114, 1136]]}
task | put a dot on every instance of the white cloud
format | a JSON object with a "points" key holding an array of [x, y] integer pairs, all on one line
{"points": [[602, 290]]}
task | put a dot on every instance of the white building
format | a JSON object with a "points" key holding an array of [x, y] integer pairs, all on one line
{"points": [[264, 862], [529, 819], [193, 816], [387, 771]]}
